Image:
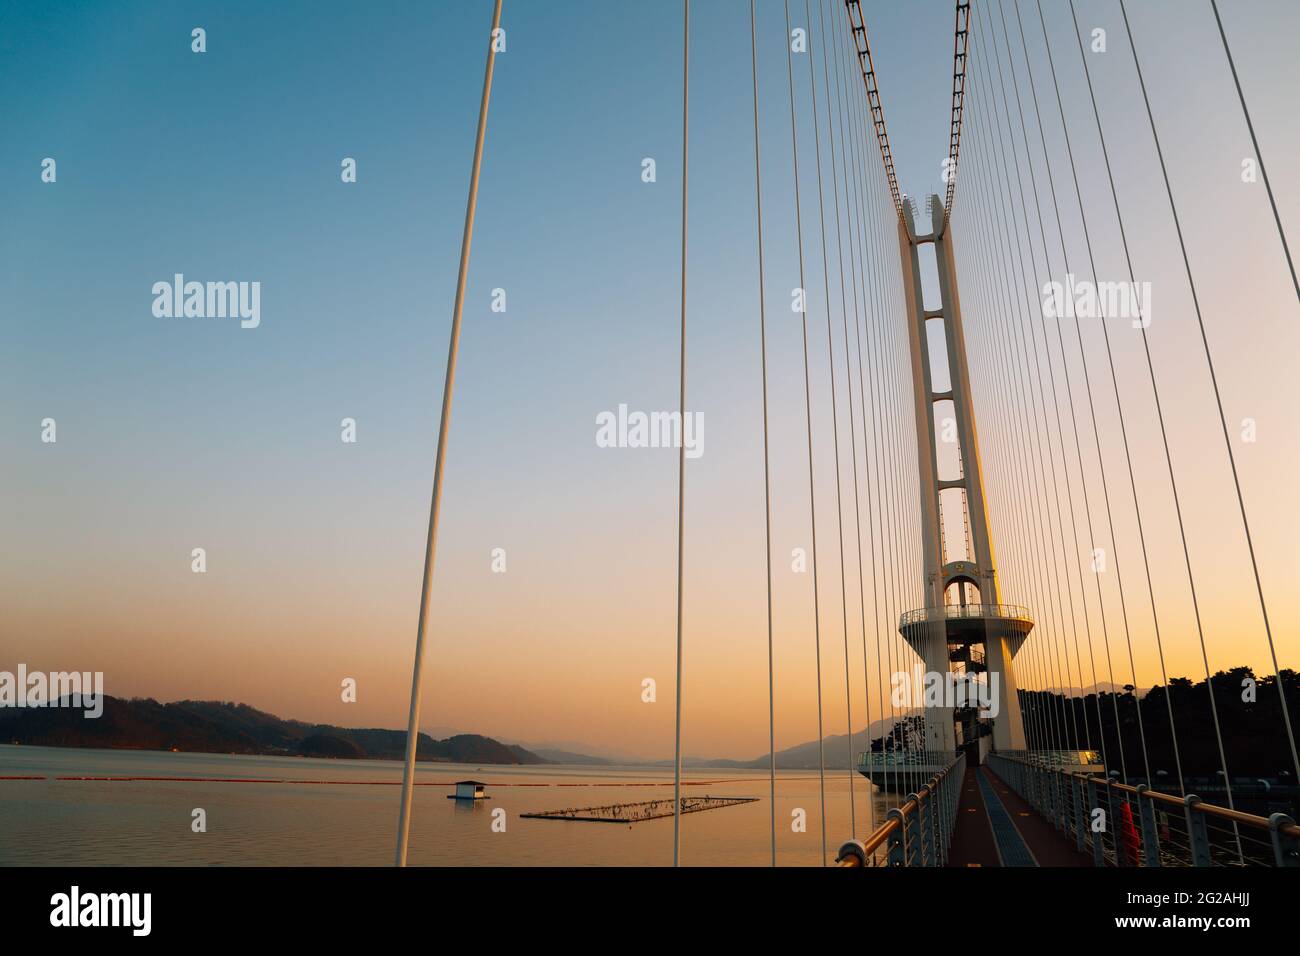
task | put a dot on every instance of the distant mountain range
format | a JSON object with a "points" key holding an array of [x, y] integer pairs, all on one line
{"points": [[840, 753], [1101, 687], [210, 726]]}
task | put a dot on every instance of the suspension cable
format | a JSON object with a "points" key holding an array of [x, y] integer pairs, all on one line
{"points": [[874, 506], [435, 506], [830, 358], [1074, 424], [1223, 421], [960, 40], [681, 451], [807, 399], [1059, 646], [1105, 483], [857, 268], [1281, 234], [1001, 304], [858, 27], [1146, 562], [1056, 407], [767, 470]]}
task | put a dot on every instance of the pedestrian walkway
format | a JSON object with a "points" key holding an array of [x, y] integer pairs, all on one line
{"points": [[995, 827], [1012, 849], [972, 840]]}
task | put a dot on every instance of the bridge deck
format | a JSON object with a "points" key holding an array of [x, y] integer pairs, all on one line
{"points": [[995, 827]]}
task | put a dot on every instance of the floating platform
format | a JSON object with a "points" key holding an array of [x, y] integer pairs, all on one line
{"points": [[641, 810], [469, 790]]}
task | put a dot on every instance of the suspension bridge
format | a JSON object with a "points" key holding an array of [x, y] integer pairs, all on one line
{"points": [[994, 398]]}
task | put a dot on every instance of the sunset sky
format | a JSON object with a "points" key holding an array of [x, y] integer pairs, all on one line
{"points": [[176, 433]]}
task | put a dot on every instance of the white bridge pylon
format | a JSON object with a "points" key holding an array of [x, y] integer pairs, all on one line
{"points": [[963, 609]]}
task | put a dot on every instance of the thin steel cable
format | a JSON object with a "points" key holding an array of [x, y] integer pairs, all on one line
{"points": [[997, 449], [1092, 409], [435, 505], [1002, 353], [1146, 562], [998, 366], [885, 308], [767, 470], [830, 362], [1227, 441], [1218, 401], [1042, 725], [873, 510], [1259, 156], [1168, 457], [1056, 638], [903, 512], [872, 305], [844, 226], [884, 519], [1060, 645], [1056, 407], [880, 559], [840, 95], [681, 450], [807, 400], [886, 542], [997, 420], [1074, 426], [1016, 348], [1069, 391], [905, 506]]}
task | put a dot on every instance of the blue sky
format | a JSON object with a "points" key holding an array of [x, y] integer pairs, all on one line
{"points": [[176, 433]]}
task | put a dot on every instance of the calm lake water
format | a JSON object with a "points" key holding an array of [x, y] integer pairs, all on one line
{"points": [[350, 817]]}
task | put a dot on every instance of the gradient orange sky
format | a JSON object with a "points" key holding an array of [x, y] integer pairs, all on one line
{"points": [[174, 436]]}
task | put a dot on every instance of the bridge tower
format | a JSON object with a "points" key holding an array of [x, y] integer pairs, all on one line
{"points": [[963, 620]]}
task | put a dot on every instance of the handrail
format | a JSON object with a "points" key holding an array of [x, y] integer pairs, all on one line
{"points": [[964, 611], [1156, 796], [856, 853], [1191, 805], [898, 759]]}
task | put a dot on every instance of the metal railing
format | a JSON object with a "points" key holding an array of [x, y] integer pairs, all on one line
{"points": [[919, 832], [959, 611], [901, 759], [1055, 758], [1122, 825]]}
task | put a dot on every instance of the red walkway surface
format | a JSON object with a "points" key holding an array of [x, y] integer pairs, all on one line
{"points": [[973, 843]]}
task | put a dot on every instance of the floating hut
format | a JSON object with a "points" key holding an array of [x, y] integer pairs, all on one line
{"points": [[468, 790]]}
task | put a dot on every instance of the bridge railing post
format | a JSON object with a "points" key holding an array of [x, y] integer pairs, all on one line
{"points": [[1067, 802], [1150, 833], [1198, 834], [912, 846], [1113, 827], [896, 854], [1094, 835], [1058, 784], [1080, 818], [936, 809], [1286, 848], [941, 848]]}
